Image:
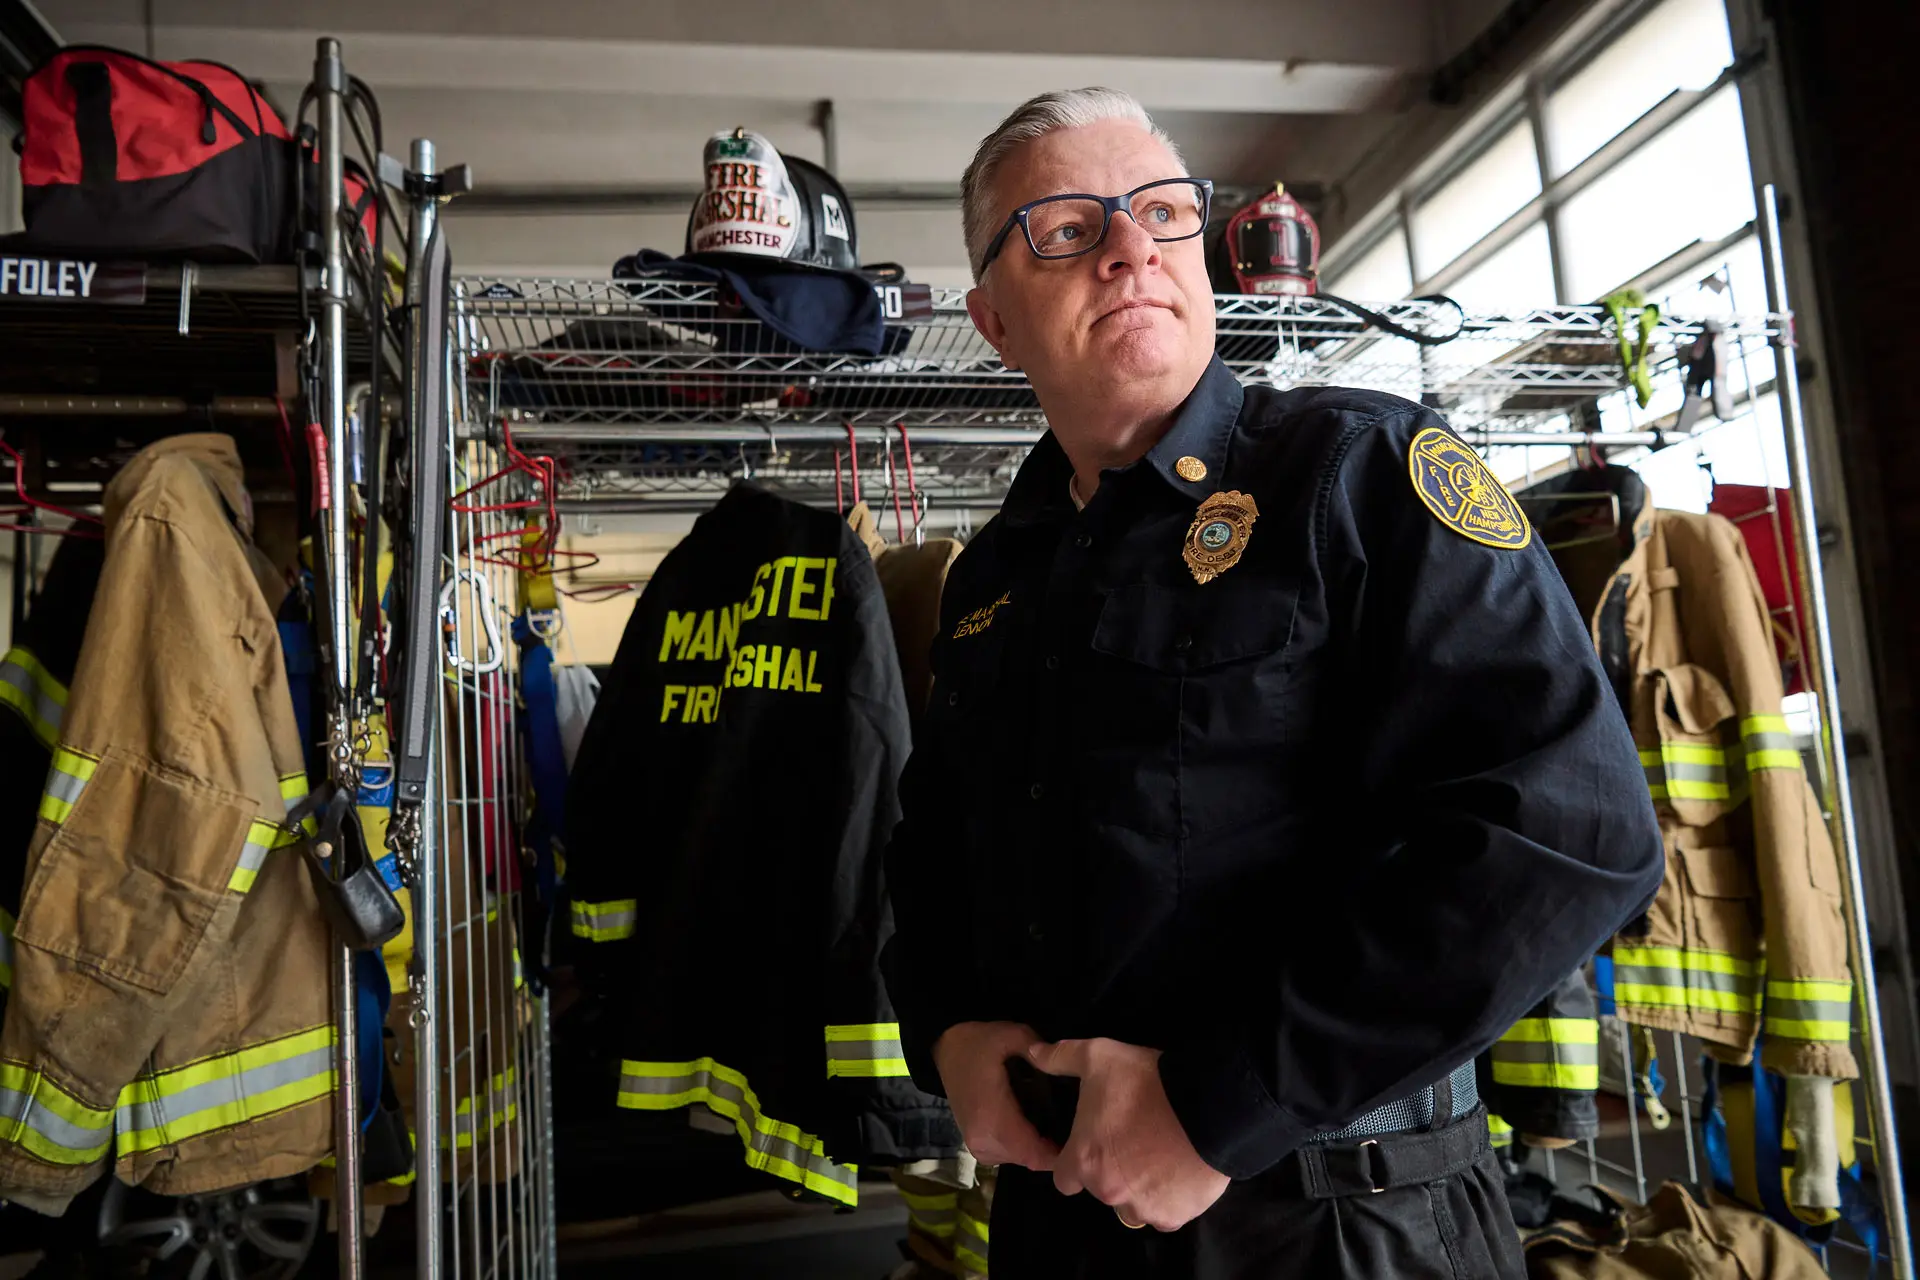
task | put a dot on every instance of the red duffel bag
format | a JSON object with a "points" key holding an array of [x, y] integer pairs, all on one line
{"points": [[155, 160]]}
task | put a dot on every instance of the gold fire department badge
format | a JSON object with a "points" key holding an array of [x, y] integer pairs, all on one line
{"points": [[1218, 534], [1462, 494]]}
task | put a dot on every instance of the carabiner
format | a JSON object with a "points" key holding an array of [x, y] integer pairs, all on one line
{"points": [[450, 623]]}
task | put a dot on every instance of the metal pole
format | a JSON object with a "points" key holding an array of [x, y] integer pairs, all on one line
{"points": [[329, 80], [1832, 756], [423, 361], [426, 1042]]}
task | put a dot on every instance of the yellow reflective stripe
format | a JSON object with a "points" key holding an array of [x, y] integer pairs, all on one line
{"points": [[1642, 993], [1548, 1053], [932, 1215], [262, 836], [1555, 1031], [404, 1180], [969, 1259], [1809, 1009], [29, 689], [293, 793], [1499, 1130], [874, 1069], [605, 921], [498, 1108], [1690, 753], [933, 1204], [1546, 1075], [772, 1146], [973, 1225], [1769, 744], [1689, 771], [1680, 978], [869, 1050], [225, 1090], [67, 777], [6, 950], [47, 1122], [864, 1031], [1680, 958]]}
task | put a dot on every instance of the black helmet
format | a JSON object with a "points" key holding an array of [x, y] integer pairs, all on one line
{"points": [[758, 203]]}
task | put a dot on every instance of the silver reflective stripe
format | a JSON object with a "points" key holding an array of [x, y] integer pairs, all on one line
{"points": [[1691, 979], [226, 1091], [1554, 1052], [1783, 1009], [254, 852], [65, 787], [863, 1050], [497, 1109], [605, 921], [757, 1139], [80, 1139], [1682, 771], [42, 710]]}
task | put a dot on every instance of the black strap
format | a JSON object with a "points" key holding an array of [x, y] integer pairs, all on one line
{"points": [[1379, 321], [1393, 1160], [417, 680], [212, 102], [92, 85]]}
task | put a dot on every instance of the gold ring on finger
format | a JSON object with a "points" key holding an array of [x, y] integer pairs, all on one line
{"points": [[1130, 1225]]}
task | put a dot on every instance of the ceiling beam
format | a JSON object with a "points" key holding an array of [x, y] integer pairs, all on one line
{"points": [[917, 76]]}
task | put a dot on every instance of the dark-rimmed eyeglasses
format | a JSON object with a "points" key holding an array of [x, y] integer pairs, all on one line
{"points": [[1066, 226]]}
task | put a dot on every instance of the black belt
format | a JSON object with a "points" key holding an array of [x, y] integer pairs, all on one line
{"points": [[1381, 1164]]}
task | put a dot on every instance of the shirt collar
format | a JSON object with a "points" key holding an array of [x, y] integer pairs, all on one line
{"points": [[1039, 489], [1202, 428]]}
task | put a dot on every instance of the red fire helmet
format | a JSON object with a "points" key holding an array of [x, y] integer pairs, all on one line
{"points": [[1273, 246]]}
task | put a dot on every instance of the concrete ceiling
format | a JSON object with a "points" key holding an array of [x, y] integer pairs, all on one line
{"points": [[566, 99]]}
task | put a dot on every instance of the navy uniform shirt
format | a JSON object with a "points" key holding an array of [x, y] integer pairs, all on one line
{"points": [[1320, 828]]}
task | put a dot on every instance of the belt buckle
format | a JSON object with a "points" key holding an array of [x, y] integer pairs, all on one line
{"points": [[1368, 1161]]}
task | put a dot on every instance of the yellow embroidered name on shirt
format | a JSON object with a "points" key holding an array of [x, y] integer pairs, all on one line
{"points": [[979, 620]]}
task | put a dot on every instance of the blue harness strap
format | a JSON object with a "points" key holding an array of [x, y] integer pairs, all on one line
{"points": [[1859, 1204], [546, 755]]}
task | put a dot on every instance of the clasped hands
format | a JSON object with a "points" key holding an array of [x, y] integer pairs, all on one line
{"points": [[1127, 1147]]}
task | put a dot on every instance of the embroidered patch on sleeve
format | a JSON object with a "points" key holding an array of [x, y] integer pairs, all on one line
{"points": [[1462, 494]]}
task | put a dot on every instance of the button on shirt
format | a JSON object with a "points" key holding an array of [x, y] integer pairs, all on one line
{"points": [[1320, 828]]}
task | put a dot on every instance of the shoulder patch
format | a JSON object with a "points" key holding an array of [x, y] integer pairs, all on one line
{"points": [[1462, 494]]}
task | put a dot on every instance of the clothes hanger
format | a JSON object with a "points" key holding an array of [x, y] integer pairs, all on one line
{"points": [[540, 468], [853, 455], [1599, 525], [913, 489], [85, 526]]}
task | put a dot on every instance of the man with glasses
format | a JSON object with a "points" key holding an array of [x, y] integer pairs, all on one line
{"points": [[1269, 775]]}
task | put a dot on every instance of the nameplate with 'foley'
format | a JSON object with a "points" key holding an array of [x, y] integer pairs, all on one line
{"points": [[57, 280]]}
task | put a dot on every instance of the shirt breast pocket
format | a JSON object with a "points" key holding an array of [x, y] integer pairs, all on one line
{"points": [[967, 692], [1199, 699]]}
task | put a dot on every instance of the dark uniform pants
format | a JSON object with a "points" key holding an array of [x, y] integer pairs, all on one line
{"points": [[1316, 1216]]}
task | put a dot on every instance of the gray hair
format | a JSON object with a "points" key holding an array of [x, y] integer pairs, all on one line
{"points": [[1031, 120]]}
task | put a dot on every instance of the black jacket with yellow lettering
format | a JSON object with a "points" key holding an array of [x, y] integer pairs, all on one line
{"points": [[726, 821]]}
